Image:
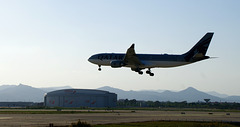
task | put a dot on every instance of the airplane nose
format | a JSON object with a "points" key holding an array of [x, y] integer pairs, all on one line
{"points": [[90, 59], [93, 59]]}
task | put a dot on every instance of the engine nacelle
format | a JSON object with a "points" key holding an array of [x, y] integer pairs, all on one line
{"points": [[117, 63]]}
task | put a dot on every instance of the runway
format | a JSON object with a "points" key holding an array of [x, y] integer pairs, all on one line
{"points": [[119, 116]]}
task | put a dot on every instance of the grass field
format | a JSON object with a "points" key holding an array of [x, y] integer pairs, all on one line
{"points": [[169, 124]]}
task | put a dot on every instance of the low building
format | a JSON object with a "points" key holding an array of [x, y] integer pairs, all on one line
{"points": [[80, 98], [16, 104]]}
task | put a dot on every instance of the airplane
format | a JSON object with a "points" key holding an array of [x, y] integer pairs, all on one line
{"points": [[138, 62]]}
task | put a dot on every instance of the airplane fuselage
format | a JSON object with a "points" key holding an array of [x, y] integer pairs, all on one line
{"points": [[148, 60]]}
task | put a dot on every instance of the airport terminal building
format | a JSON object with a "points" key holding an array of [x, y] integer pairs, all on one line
{"points": [[80, 98]]}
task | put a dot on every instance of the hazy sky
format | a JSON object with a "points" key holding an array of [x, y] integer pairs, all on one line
{"points": [[46, 43]]}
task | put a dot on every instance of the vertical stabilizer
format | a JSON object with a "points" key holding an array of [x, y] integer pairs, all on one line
{"points": [[198, 51]]}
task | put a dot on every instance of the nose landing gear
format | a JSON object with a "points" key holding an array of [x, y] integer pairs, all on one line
{"points": [[99, 68]]}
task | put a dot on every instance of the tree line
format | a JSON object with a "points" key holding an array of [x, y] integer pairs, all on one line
{"points": [[183, 104]]}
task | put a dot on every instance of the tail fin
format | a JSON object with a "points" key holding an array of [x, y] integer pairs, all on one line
{"points": [[198, 51]]}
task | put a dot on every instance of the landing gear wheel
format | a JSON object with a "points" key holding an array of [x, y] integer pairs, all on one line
{"points": [[151, 74], [140, 72], [148, 71]]}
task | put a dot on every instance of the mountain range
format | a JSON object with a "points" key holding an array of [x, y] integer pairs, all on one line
{"points": [[190, 95], [25, 93]]}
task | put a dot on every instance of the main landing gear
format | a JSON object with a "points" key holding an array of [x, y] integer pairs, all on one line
{"points": [[99, 68], [138, 71], [149, 72], [141, 72]]}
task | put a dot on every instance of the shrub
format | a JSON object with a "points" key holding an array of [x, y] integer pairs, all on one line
{"points": [[80, 124]]}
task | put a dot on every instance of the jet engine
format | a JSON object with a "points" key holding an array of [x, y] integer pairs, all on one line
{"points": [[117, 63]]}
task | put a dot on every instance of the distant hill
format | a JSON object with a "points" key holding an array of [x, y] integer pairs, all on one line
{"points": [[49, 89], [6, 86], [190, 95], [233, 98], [139, 95], [30, 94], [25, 93], [21, 93], [217, 94]]}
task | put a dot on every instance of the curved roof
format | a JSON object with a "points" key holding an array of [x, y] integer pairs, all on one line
{"points": [[78, 91]]}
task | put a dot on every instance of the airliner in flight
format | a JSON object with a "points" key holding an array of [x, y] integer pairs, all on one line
{"points": [[138, 62]]}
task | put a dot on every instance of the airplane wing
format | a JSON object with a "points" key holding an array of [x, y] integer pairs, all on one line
{"points": [[131, 58]]}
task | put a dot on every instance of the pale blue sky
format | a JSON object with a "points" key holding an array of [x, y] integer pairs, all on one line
{"points": [[47, 43]]}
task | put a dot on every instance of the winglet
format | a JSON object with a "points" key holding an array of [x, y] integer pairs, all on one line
{"points": [[131, 50], [132, 46], [131, 58]]}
